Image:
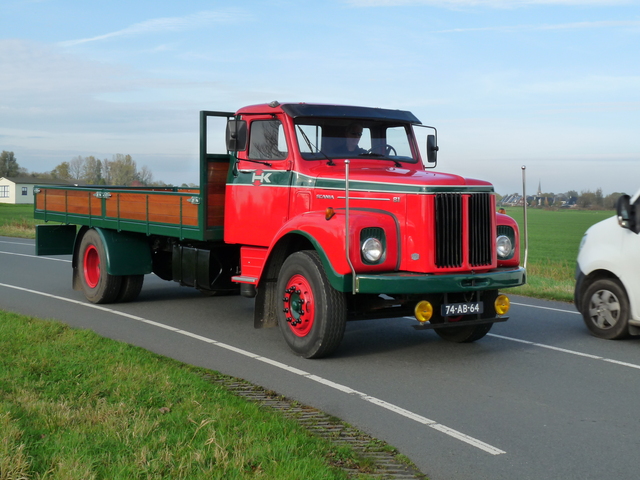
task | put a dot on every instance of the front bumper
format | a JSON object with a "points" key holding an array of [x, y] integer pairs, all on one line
{"points": [[415, 283]]}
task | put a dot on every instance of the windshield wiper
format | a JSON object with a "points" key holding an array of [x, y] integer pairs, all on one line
{"points": [[257, 161], [313, 147], [381, 156]]}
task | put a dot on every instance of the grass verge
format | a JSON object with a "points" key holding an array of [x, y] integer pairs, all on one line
{"points": [[17, 221], [74, 405]]}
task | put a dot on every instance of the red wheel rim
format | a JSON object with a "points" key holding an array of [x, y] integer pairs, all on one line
{"points": [[91, 266], [299, 306]]}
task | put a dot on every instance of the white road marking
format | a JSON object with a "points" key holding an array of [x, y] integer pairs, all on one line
{"points": [[548, 347], [17, 243], [546, 308], [36, 256], [342, 388]]}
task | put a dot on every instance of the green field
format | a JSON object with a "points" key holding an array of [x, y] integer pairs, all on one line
{"points": [[554, 238]]}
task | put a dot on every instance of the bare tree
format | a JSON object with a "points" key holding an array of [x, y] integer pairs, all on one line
{"points": [[92, 170], [586, 199], [123, 170], [76, 166], [611, 200], [145, 176]]}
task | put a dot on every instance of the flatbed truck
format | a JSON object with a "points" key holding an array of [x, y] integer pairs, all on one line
{"points": [[318, 231]]}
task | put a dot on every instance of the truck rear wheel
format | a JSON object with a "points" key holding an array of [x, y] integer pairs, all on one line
{"points": [[313, 315], [98, 286], [130, 288]]}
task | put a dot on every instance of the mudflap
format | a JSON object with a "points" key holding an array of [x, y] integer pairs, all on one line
{"points": [[264, 312]]}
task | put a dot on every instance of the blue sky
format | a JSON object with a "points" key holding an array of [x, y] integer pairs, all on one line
{"points": [[550, 84]]}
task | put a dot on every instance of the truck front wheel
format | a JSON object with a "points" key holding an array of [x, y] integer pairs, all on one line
{"points": [[313, 314], [98, 286], [471, 333], [466, 334]]}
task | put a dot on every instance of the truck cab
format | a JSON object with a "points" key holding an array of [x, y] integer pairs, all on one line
{"points": [[349, 186]]}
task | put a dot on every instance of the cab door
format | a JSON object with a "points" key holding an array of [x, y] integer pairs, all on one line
{"points": [[259, 187]]}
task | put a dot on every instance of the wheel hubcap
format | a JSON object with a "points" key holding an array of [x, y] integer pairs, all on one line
{"points": [[299, 306], [604, 309], [91, 266]]}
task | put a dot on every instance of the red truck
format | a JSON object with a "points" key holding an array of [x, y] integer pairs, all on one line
{"points": [[323, 213]]}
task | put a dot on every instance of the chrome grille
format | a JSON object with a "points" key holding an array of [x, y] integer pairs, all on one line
{"points": [[480, 234], [450, 230]]}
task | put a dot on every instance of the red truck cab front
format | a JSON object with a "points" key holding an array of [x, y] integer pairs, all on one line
{"points": [[404, 240]]}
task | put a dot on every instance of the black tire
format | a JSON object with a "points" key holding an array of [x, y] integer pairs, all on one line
{"points": [[605, 309], [466, 334], [312, 314], [130, 288], [98, 286]]}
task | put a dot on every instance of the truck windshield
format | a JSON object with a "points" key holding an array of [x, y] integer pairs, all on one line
{"points": [[327, 138]]}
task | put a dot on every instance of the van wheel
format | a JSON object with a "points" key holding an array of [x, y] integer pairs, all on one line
{"points": [[606, 309], [313, 315], [98, 286]]}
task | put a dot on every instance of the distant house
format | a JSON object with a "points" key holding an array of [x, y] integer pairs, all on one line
{"points": [[20, 189]]}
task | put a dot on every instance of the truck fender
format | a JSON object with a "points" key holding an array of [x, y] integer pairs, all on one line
{"points": [[328, 237], [311, 231], [127, 253]]}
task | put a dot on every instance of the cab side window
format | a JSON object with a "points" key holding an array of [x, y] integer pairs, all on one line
{"points": [[267, 140]]}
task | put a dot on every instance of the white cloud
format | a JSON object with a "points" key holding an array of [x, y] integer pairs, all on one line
{"points": [[168, 24], [506, 4], [559, 26]]}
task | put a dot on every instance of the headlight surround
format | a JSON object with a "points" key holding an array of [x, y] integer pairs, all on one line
{"points": [[504, 247], [372, 250], [509, 232]]}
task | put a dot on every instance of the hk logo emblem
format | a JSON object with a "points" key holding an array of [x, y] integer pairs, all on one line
{"points": [[260, 178]]}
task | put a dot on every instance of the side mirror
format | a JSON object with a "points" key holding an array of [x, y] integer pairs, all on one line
{"points": [[628, 214], [432, 149], [236, 135]]}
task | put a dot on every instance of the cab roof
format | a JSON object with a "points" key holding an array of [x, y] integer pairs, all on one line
{"points": [[295, 110]]}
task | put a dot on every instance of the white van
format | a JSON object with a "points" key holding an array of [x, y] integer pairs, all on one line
{"points": [[607, 291]]}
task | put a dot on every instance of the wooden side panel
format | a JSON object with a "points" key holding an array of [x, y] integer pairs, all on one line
{"points": [[141, 205], [154, 208], [217, 179], [69, 201]]}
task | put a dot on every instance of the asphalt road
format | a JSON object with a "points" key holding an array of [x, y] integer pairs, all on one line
{"points": [[538, 398]]}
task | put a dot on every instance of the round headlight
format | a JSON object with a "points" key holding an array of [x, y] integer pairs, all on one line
{"points": [[503, 246], [372, 250]]}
